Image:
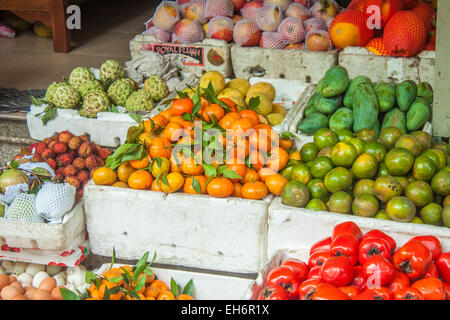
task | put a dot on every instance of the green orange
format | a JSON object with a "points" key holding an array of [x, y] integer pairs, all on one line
{"points": [[321, 166], [302, 173], [386, 188], [432, 214], [365, 205], [419, 192], [410, 143], [440, 183], [295, 194], [338, 179], [365, 166], [424, 138], [367, 135], [340, 202], [389, 136], [344, 135], [316, 205], [399, 161], [309, 152], [382, 170], [343, 154], [423, 168], [364, 186], [376, 149], [324, 137], [358, 143], [317, 190], [401, 209]]}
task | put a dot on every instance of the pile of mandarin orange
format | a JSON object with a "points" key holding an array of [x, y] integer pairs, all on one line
{"points": [[251, 149]]}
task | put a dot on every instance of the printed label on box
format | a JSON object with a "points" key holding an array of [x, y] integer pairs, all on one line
{"points": [[189, 56]]}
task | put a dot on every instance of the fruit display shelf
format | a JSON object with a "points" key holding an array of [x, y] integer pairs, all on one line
{"points": [[306, 66], [224, 234], [43, 236], [208, 55], [298, 228], [207, 286], [419, 68]]}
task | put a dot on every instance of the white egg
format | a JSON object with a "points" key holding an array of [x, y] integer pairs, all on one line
{"points": [[33, 268], [76, 276], [20, 267], [38, 277], [25, 279], [52, 270], [60, 278]]}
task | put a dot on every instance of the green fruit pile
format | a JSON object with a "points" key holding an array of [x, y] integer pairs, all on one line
{"points": [[91, 96], [394, 176], [341, 103]]}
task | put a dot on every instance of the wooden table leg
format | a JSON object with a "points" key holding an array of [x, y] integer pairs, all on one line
{"points": [[61, 35]]}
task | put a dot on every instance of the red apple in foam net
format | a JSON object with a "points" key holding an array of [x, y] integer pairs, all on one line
{"points": [[272, 40], [318, 40], [195, 10], [166, 16], [269, 17], [296, 10], [325, 11], [246, 33], [249, 9], [221, 28], [238, 4], [236, 18], [188, 31], [292, 30], [314, 24]]}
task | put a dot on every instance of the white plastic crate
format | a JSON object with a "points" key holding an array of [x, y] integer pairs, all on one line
{"points": [[44, 236], [208, 55], [207, 286], [200, 231], [298, 228], [360, 61], [306, 66]]}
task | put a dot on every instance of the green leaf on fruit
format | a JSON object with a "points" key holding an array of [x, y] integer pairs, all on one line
{"points": [[189, 288], [210, 170], [254, 103], [136, 117], [68, 295], [196, 185]]}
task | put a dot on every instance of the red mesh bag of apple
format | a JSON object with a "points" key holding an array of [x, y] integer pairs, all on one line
{"points": [[272, 40], [159, 34], [188, 31], [282, 4], [246, 33], [219, 8], [166, 16], [324, 9], [292, 30], [405, 34], [426, 12], [249, 10], [314, 24], [195, 10], [221, 28], [318, 40], [269, 17], [296, 10]]}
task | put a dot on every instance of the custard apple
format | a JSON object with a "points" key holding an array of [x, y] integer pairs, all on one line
{"points": [[156, 87], [66, 97], [95, 102], [111, 69], [80, 75], [90, 86], [119, 91], [132, 83], [140, 100], [50, 93]]}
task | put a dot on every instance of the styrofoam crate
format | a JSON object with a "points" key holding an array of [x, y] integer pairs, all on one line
{"points": [[207, 286], [227, 234], [299, 228], [44, 236], [306, 66], [208, 55], [359, 61]]}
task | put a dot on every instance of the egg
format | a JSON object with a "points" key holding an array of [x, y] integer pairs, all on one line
{"points": [[40, 294], [4, 281], [38, 277], [20, 297], [25, 279], [56, 293], [48, 284], [29, 291], [9, 292], [18, 286]]}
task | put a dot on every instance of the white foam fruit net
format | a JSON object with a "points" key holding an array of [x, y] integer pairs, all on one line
{"points": [[272, 40], [297, 10], [283, 4], [23, 208], [223, 26], [159, 34], [314, 24], [54, 200], [192, 32], [243, 31], [292, 30], [217, 8], [195, 10], [249, 13], [269, 17], [166, 16]]}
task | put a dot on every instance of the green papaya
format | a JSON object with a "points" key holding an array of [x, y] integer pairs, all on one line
{"points": [[418, 114], [395, 118], [328, 105], [425, 90], [320, 85], [348, 98], [313, 122], [386, 96], [365, 107], [341, 119], [406, 94], [376, 127], [335, 81], [310, 105]]}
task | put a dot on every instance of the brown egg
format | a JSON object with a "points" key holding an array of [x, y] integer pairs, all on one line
{"points": [[20, 297], [12, 279], [18, 285], [4, 281], [56, 293], [29, 291], [9, 292], [48, 284], [40, 294]]}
